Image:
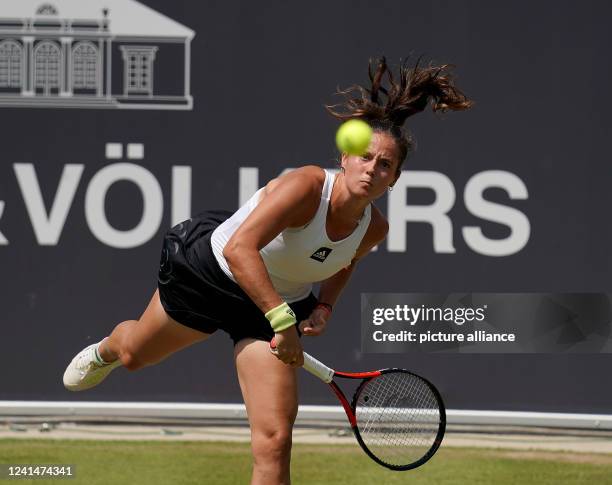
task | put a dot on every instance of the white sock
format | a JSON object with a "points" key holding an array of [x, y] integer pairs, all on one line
{"points": [[97, 354]]}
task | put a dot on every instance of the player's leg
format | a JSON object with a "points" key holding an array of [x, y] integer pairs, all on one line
{"points": [[133, 344], [149, 340], [269, 389]]}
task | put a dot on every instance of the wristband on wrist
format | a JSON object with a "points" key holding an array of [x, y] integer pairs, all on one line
{"points": [[325, 306], [281, 317]]}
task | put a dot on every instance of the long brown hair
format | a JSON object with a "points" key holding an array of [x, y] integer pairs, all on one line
{"points": [[387, 103]]}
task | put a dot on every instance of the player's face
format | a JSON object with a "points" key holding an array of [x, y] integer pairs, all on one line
{"points": [[371, 175]]}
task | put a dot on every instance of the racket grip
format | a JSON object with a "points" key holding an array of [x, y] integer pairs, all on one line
{"points": [[312, 365], [318, 368]]}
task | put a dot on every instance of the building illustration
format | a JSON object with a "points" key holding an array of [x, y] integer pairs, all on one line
{"points": [[92, 54]]}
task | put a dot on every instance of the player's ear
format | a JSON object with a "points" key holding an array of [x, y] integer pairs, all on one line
{"points": [[397, 175], [343, 161]]}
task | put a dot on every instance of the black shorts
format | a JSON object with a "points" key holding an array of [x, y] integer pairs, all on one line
{"points": [[195, 291]]}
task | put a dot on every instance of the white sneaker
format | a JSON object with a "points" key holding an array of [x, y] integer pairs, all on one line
{"points": [[86, 371]]}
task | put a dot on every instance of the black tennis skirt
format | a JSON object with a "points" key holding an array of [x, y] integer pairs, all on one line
{"points": [[195, 291]]}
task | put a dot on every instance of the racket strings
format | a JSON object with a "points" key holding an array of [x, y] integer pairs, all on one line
{"points": [[398, 417]]}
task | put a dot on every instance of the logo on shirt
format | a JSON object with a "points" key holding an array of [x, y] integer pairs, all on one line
{"points": [[321, 254]]}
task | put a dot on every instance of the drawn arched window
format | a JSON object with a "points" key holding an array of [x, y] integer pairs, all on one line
{"points": [[10, 64], [47, 57], [46, 9], [85, 59]]}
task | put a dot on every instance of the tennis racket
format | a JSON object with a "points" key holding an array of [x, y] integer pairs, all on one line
{"points": [[397, 417]]}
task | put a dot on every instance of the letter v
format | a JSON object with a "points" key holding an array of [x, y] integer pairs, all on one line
{"points": [[47, 227]]}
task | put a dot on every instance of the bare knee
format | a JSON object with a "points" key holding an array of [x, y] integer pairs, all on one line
{"points": [[272, 447]]}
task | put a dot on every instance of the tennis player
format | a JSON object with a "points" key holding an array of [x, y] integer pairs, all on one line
{"points": [[251, 273]]}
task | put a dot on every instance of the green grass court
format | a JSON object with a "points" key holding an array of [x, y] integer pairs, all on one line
{"points": [[169, 463]]}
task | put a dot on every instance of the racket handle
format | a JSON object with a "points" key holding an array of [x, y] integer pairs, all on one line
{"points": [[312, 365], [318, 368]]}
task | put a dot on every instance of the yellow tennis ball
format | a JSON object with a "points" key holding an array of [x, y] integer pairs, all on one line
{"points": [[353, 137]]}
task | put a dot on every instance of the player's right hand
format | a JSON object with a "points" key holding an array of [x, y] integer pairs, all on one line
{"points": [[289, 347]]}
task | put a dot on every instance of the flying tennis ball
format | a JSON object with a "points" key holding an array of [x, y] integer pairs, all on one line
{"points": [[353, 137]]}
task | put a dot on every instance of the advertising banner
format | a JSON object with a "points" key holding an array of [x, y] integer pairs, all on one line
{"points": [[122, 118]]}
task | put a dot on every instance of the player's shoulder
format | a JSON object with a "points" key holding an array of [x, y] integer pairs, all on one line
{"points": [[299, 190], [310, 174], [308, 180]]}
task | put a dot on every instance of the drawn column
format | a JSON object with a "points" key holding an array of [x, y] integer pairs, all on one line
{"points": [[105, 45], [66, 81], [100, 69], [109, 65], [27, 81], [187, 68]]}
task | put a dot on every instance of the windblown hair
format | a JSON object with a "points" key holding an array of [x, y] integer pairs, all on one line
{"points": [[388, 102]]}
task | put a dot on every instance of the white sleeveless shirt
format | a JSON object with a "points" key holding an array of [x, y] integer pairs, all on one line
{"points": [[297, 257]]}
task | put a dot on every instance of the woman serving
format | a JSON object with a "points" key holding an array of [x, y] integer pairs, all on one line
{"points": [[250, 273]]}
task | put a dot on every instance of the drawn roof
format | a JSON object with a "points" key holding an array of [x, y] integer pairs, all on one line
{"points": [[127, 17]]}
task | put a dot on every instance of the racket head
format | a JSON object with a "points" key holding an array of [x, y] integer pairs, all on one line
{"points": [[400, 419]]}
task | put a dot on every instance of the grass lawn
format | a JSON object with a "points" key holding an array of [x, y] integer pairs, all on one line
{"points": [[170, 463]]}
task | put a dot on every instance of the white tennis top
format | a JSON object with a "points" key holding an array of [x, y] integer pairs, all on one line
{"points": [[297, 257]]}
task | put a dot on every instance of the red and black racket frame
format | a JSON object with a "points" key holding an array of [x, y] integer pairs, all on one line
{"points": [[350, 410]]}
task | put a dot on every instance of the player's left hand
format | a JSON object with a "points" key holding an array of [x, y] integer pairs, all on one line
{"points": [[315, 324]]}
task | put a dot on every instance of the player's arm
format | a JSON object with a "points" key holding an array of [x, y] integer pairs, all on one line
{"points": [[288, 201], [331, 288]]}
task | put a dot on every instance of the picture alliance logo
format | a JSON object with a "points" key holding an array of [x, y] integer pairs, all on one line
{"points": [[48, 219]]}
